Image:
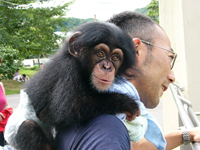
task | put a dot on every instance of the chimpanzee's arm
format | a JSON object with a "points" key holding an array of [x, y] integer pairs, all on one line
{"points": [[109, 103], [113, 103]]}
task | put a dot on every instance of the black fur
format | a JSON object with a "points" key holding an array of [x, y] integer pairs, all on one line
{"points": [[30, 134], [62, 94]]}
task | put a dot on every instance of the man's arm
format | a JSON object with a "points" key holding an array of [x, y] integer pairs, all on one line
{"points": [[143, 145], [173, 138]]}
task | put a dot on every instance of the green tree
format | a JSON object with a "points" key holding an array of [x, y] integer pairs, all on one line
{"points": [[8, 66], [153, 10], [30, 30], [142, 10], [38, 35], [72, 22]]}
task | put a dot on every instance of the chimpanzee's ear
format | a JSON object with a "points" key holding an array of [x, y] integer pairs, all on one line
{"points": [[72, 47]]}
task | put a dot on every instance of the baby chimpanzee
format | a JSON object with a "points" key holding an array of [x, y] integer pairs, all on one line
{"points": [[70, 89]]}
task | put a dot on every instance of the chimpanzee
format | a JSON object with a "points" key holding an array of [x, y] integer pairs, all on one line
{"points": [[71, 87]]}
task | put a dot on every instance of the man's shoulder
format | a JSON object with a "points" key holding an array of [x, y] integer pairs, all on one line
{"points": [[107, 130]]}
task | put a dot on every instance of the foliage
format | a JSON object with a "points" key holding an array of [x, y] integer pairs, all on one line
{"points": [[153, 10], [31, 30], [8, 66], [35, 68], [39, 31], [142, 10], [71, 23]]}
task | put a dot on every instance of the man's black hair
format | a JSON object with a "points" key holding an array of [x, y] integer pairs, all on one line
{"points": [[135, 24]]}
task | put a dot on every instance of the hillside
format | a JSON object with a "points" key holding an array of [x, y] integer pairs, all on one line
{"points": [[71, 22]]}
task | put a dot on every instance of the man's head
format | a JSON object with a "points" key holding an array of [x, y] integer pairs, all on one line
{"points": [[154, 55]]}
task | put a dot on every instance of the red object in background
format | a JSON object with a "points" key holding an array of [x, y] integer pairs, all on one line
{"points": [[6, 112]]}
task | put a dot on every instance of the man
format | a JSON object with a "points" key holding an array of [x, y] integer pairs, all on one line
{"points": [[155, 61]]}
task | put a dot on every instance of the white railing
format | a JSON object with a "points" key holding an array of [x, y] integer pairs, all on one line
{"points": [[187, 115]]}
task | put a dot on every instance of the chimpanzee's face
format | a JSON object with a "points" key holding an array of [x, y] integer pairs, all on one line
{"points": [[103, 51], [106, 62]]}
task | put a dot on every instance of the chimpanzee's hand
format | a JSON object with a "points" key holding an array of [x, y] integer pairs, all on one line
{"points": [[130, 116]]}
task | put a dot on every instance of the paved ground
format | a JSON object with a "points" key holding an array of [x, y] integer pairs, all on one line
{"points": [[13, 101]]}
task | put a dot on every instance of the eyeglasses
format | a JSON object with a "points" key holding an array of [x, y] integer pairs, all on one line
{"points": [[175, 55]]}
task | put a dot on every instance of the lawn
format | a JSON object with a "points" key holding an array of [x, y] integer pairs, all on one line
{"points": [[14, 87]]}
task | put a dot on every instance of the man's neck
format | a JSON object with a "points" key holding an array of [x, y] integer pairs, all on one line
{"points": [[130, 79]]}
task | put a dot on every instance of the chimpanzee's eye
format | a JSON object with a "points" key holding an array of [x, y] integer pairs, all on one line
{"points": [[115, 58], [100, 54]]}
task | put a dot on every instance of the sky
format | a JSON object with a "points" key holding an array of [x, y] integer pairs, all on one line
{"points": [[103, 9]]}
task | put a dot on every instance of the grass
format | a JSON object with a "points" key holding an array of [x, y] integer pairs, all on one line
{"points": [[14, 87], [29, 73]]}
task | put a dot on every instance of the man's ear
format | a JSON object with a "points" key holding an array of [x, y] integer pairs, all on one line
{"points": [[72, 44], [136, 43], [138, 47]]}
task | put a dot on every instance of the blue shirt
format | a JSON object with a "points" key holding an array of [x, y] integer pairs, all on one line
{"points": [[153, 133], [105, 132]]}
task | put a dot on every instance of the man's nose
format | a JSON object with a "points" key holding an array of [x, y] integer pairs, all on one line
{"points": [[171, 76]]}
